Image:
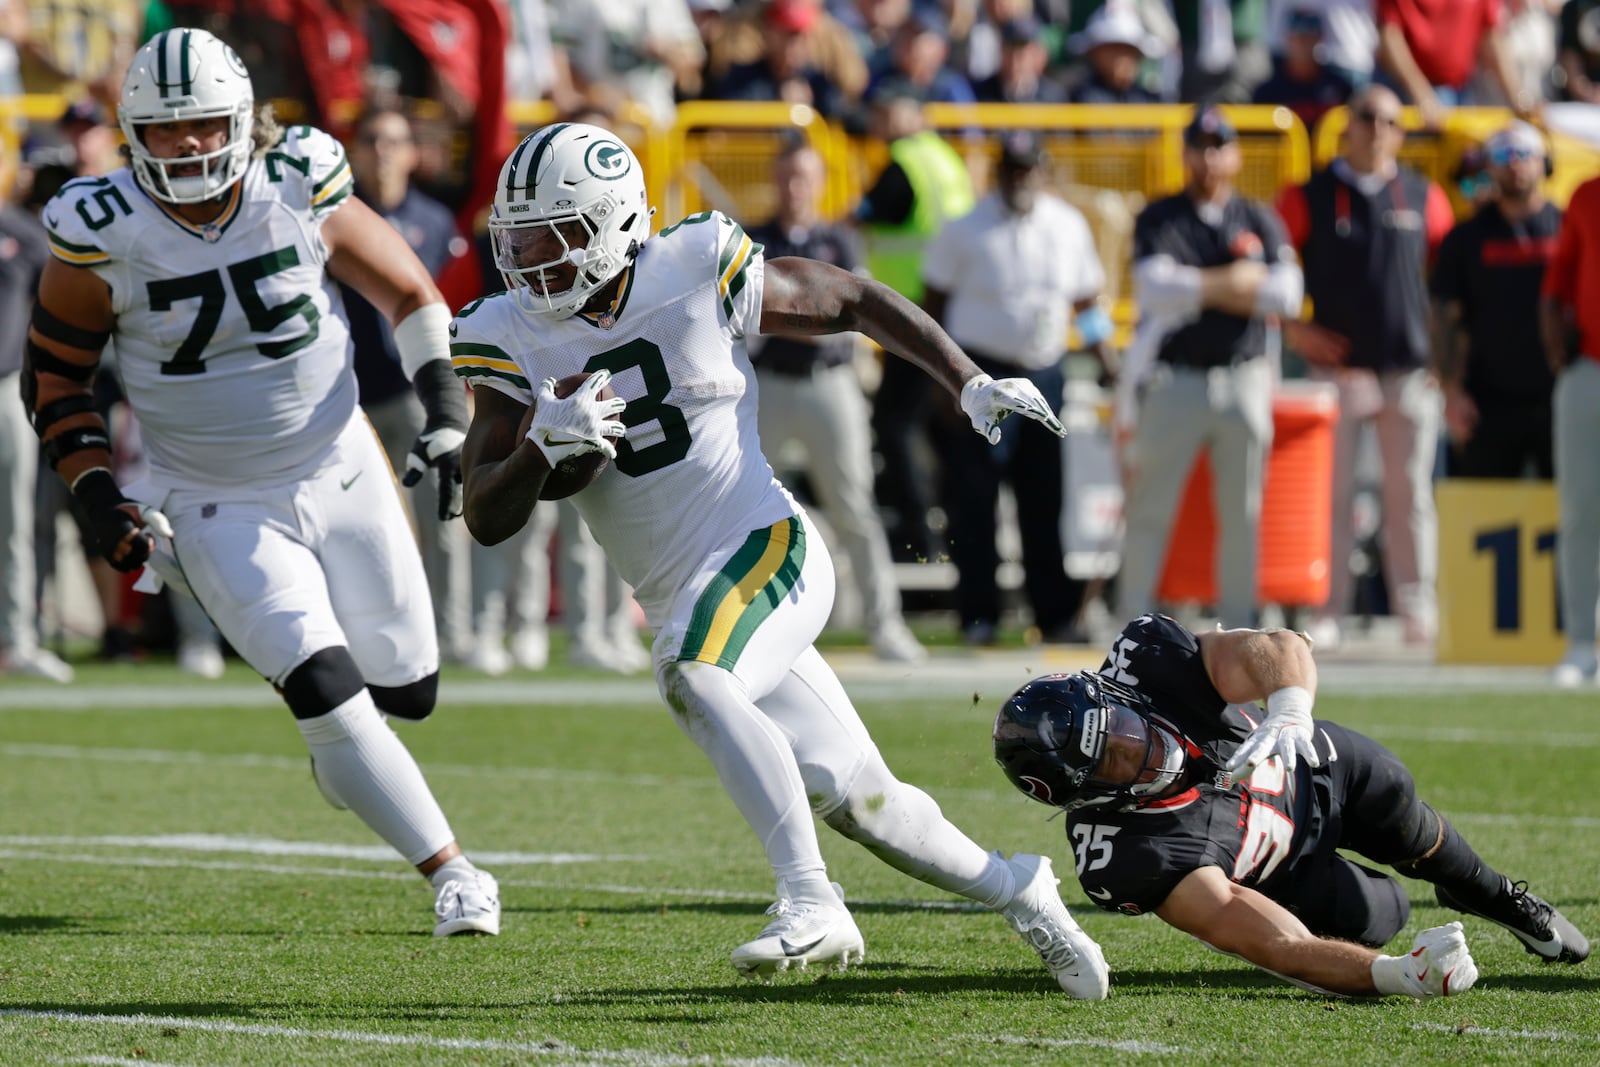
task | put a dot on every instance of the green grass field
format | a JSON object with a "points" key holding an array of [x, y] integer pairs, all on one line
{"points": [[174, 891]]}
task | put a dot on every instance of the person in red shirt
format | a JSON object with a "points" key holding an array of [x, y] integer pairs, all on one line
{"points": [[1431, 49], [1367, 229], [1571, 330]]}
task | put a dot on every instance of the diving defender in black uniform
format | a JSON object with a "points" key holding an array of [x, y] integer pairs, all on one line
{"points": [[1180, 803]]}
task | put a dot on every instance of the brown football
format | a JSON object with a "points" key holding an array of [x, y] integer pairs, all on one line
{"points": [[578, 473]]}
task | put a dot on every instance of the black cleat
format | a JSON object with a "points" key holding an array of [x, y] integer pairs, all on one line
{"points": [[1542, 929]]}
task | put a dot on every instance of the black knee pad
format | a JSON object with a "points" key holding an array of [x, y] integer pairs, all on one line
{"points": [[413, 701], [323, 682]]}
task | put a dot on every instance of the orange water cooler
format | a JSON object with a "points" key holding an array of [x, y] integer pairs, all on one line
{"points": [[1296, 510]]}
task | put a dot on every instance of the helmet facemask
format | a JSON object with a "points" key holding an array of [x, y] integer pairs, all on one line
{"points": [[1076, 741], [521, 248], [219, 170]]}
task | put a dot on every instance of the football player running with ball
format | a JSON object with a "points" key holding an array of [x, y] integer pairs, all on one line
{"points": [[1184, 801], [726, 565], [268, 497]]}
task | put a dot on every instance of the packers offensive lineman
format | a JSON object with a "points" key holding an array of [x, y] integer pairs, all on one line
{"points": [[268, 497], [1183, 800], [725, 564]]}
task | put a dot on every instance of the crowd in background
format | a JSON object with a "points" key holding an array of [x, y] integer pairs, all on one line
{"points": [[417, 90]]}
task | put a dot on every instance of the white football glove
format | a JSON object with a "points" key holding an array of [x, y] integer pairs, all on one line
{"points": [[1438, 965], [438, 449], [1285, 732], [578, 424], [155, 521], [986, 401]]}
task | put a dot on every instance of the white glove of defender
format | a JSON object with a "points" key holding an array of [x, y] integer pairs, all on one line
{"points": [[1286, 732], [1439, 965], [986, 401], [578, 424]]}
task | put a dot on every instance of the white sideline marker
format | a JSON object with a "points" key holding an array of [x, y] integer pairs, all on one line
{"points": [[1493, 1031], [567, 1054], [1138, 1047]]}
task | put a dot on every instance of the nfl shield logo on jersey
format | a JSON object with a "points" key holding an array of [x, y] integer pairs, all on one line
{"points": [[606, 320], [211, 233], [208, 511]]}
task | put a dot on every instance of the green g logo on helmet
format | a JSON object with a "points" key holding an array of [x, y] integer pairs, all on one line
{"points": [[608, 160]]}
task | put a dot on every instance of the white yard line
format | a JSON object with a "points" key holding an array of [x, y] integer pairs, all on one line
{"points": [[1139, 1047], [115, 1061], [1527, 1035], [562, 1052], [271, 846]]}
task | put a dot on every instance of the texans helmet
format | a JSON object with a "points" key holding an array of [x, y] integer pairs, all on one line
{"points": [[1082, 740]]}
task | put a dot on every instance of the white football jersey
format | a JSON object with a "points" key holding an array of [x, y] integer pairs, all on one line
{"points": [[690, 476], [230, 339]]}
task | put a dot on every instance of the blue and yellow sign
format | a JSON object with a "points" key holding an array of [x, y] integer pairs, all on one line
{"points": [[1497, 572]]}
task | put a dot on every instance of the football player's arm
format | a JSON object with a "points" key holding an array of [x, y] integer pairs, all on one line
{"points": [[1241, 922], [71, 323], [804, 297], [370, 256], [504, 471], [1275, 665]]}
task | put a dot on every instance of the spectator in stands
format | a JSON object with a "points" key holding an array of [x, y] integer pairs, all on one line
{"points": [[810, 393], [1115, 45], [785, 70], [874, 24], [1578, 51], [1301, 81], [637, 49], [925, 184], [977, 55], [1367, 228], [1004, 281], [1349, 35], [1224, 49], [1487, 351], [1429, 50], [23, 252], [1020, 78], [1213, 272], [382, 159], [917, 58], [1570, 320], [94, 142]]}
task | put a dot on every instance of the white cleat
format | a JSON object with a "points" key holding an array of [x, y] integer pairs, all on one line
{"points": [[468, 905], [801, 934], [1036, 912]]}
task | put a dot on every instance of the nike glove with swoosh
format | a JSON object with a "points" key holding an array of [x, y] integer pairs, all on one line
{"points": [[576, 425], [1286, 732], [986, 401], [1438, 965]]}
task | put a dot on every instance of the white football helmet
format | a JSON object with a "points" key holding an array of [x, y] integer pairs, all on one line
{"points": [[563, 174], [188, 74]]}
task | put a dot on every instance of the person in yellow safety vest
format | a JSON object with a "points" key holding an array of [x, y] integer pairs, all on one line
{"points": [[925, 185]]}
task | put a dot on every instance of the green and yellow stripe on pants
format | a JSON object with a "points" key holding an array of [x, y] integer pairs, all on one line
{"points": [[742, 595]]}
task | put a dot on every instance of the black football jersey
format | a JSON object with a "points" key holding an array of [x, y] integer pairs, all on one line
{"points": [[1255, 831]]}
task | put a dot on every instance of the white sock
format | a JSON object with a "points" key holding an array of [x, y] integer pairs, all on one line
{"points": [[451, 869], [906, 829], [368, 768]]}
